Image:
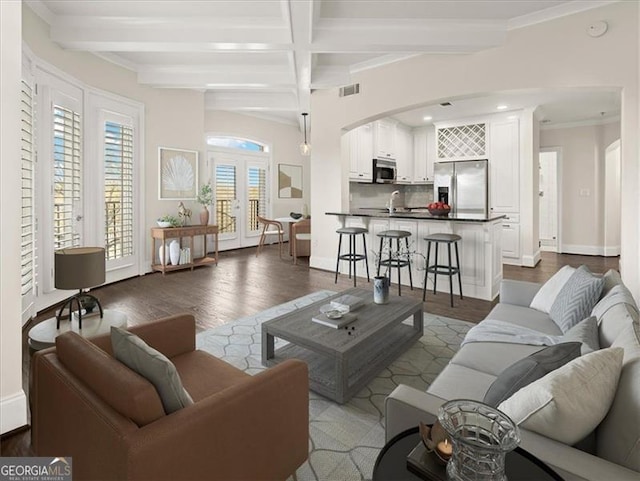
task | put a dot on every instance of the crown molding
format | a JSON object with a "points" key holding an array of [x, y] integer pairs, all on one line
{"points": [[581, 123], [558, 11]]}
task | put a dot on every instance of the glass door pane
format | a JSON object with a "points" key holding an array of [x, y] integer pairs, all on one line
{"points": [[256, 196], [66, 178], [118, 191]]}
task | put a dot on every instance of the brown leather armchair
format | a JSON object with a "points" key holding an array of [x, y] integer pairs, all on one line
{"points": [[87, 405]]}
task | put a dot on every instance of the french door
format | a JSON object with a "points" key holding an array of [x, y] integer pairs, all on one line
{"points": [[81, 185], [240, 184]]}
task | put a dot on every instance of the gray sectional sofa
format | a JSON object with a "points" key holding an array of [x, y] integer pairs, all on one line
{"points": [[614, 448]]}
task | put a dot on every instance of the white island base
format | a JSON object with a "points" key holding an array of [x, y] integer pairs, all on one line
{"points": [[480, 250]]}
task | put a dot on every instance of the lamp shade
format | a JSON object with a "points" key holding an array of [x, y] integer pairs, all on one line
{"points": [[79, 267]]}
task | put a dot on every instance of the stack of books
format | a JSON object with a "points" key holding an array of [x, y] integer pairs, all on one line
{"points": [[335, 323], [347, 302]]}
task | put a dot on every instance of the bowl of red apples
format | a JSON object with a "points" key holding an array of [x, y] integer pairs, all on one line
{"points": [[439, 208]]}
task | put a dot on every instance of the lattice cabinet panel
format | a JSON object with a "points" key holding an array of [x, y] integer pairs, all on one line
{"points": [[462, 141]]}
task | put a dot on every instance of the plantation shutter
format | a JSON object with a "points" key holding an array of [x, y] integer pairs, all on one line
{"points": [[66, 176], [118, 190], [225, 189], [257, 196], [27, 254]]}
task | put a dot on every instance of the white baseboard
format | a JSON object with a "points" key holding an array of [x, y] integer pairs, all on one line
{"points": [[583, 250], [612, 251], [531, 261], [322, 263], [512, 261], [13, 412]]}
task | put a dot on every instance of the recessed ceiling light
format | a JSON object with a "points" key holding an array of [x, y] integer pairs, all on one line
{"points": [[428, 117], [502, 107]]}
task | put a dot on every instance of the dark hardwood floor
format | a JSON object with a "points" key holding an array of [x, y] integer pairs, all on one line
{"points": [[243, 284]]}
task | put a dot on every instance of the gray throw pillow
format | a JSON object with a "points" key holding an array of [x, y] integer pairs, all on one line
{"points": [[585, 332], [576, 299], [529, 369], [151, 364]]}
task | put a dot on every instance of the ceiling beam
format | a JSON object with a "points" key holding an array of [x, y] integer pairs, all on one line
{"points": [[252, 101], [300, 16], [406, 35], [219, 76], [152, 34]]}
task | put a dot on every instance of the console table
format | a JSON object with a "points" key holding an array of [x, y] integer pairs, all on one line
{"points": [[187, 233]]}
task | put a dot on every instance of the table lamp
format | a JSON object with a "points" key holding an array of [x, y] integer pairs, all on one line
{"points": [[79, 268]]}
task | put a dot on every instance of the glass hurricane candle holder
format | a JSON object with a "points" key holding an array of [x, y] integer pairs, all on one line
{"points": [[481, 437]]}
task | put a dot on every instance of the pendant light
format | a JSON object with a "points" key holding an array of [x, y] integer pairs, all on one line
{"points": [[305, 147]]}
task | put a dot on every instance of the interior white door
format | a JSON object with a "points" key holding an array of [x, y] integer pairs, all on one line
{"points": [[240, 184], [612, 200], [548, 197]]}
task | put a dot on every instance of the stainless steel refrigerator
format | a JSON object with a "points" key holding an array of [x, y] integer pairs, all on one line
{"points": [[463, 185]]}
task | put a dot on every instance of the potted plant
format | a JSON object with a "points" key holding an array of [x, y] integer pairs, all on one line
{"points": [[205, 198], [168, 221]]}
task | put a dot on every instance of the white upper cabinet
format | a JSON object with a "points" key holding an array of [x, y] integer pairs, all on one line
{"points": [[423, 160], [504, 165], [360, 144], [404, 155], [384, 139]]}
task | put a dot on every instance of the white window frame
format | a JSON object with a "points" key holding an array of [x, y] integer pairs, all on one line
{"points": [[103, 107], [51, 90], [28, 299], [93, 104]]}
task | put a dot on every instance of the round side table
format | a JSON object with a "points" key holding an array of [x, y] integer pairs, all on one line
{"points": [[43, 334], [391, 464]]}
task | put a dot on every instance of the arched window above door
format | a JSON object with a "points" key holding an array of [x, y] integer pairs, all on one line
{"points": [[236, 143]]}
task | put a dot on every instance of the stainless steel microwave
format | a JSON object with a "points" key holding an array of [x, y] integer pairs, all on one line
{"points": [[384, 171]]}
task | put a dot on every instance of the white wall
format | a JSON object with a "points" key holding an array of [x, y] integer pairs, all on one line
{"points": [[284, 140], [554, 54], [582, 173], [13, 403], [173, 118]]}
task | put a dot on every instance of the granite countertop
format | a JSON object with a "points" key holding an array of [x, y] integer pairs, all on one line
{"points": [[416, 213]]}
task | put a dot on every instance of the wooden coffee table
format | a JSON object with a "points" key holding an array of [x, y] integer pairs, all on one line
{"points": [[343, 361]]}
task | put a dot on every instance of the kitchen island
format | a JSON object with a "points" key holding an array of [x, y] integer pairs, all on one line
{"points": [[480, 247]]}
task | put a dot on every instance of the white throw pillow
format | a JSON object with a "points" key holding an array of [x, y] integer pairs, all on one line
{"points": [[547, 294], [568, 403], [618, 435]]}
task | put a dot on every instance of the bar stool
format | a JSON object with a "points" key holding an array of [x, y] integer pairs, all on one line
{"points": [[436, 268], [352, 256], [394, 259]]}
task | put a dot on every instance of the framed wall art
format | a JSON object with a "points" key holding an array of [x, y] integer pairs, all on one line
{"points": [[289, 181], [178, 174]]}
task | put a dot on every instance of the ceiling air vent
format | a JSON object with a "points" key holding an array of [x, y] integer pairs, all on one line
{"points": [[445, 104], [349, 90]]}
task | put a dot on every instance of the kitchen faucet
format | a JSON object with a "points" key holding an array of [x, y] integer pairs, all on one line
{"points": [[394, 194]]}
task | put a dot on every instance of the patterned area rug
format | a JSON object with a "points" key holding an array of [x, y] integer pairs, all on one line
{"points": [[344, 439]]}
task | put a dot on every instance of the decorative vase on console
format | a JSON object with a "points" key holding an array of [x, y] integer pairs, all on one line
{"points": [[174, 252], [161, 252], [204, 215], [205, 198]]}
